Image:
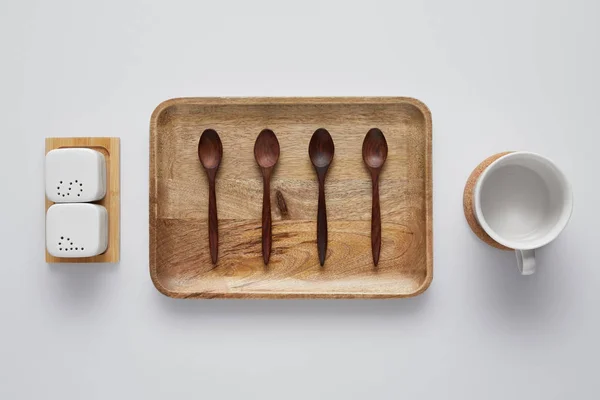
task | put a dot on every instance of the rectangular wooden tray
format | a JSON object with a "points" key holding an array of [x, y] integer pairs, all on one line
{"points": [[110, 147], [180, 264]]}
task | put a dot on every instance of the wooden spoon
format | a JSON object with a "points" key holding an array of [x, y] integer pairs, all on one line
{"points": [[375, 151], [210, 153], [320, 150], [266, 153]]}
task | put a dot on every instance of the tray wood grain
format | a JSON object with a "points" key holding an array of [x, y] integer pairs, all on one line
{"points": [[180, 264], [110, 147]]}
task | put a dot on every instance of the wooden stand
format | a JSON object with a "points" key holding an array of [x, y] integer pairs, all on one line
{"points": [[110, 147]]}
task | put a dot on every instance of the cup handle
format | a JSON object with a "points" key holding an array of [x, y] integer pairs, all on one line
{"points": [[526, 261]]}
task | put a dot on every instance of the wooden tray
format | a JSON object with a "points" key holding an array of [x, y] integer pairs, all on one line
{"points": [[180, 264], [110, 147]]}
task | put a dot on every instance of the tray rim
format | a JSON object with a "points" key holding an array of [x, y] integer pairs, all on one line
{"points": [[207, 101]]}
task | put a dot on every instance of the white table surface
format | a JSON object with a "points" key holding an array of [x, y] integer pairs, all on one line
{"points": [[496, 75]]}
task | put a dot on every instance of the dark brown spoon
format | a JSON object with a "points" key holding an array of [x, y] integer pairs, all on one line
{"points": [[375, 151], [320, 150], [210, 153], [266, 153]]}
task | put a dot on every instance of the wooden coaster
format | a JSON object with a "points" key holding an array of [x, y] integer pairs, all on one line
{"points": [[110, 147], [469, 207]]}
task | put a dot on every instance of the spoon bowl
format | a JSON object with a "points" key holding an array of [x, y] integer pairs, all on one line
{"points": [[210, 149], [266, 149], [375, 149], [320, 148]]}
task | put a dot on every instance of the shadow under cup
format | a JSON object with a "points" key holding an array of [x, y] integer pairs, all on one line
{"points": [[522, 200]]}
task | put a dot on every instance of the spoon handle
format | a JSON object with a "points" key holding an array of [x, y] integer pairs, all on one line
{"points": [[322, 223], [213, 222], [375, 222], [266, 216]]}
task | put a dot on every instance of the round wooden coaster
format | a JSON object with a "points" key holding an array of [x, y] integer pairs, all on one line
{"points": [[468, 205]]}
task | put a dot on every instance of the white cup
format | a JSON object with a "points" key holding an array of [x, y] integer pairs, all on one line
{"points": [[523, 201]]}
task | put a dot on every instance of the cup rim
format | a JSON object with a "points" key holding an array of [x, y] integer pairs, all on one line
{"points": [[554, 232]]}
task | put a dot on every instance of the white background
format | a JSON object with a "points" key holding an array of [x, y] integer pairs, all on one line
{"points": [[496, 75]]}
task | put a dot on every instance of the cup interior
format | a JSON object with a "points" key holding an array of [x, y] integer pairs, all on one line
{"points": [[523, 200]]}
